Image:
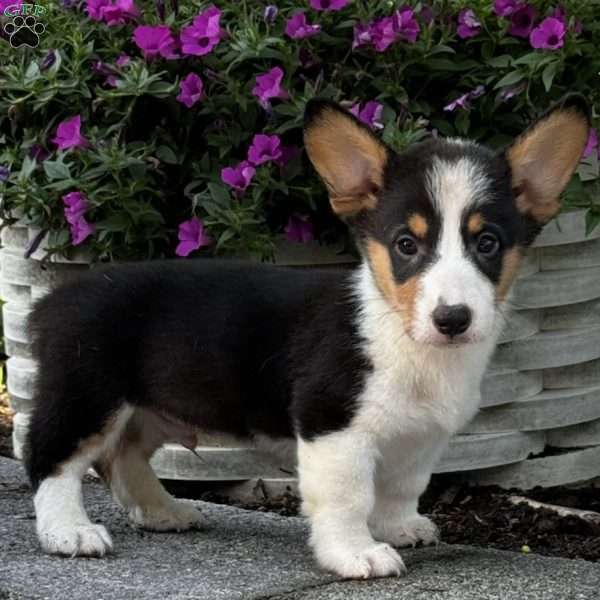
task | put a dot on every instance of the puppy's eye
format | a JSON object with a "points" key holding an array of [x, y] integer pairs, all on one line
{"points": [[488, 244], [407, 245]]}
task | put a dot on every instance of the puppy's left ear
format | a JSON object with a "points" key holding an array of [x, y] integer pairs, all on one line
{"points": [[544, 157]]}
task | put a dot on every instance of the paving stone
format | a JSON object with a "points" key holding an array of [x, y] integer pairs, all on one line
{"points": [[15, 236], [247, 555], [502, 387], [14, 320], [572, 316], [11, 292], [549, 409], [575, 436], [549, 471], [569, 227], [570, 256], [583, 374], [549, 349], [556, 288]]}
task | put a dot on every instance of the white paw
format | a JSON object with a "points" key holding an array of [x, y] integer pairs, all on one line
{"points": [[76, 540], [175, 516], [409, 532], [376, 560]]}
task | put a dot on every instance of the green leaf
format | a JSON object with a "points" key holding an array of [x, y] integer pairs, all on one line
{"points": [[219, 194], [500, 62], [592, 220], [167, 155], [549, 74], [56, 169], [225, 237], [510, 79]]}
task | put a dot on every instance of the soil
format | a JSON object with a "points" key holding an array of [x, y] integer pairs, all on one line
{"points": [[480, 516], [5, 426]]}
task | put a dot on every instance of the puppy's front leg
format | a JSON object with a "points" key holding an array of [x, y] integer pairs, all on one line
{"points": [[336, 473]]}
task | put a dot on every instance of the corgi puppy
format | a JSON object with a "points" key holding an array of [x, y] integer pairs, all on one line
{"points": [[369, 371]]}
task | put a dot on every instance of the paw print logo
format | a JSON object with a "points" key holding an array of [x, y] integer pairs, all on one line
{"points": [[24, 31]]}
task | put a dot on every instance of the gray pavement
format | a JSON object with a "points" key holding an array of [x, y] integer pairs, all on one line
{"points": [[250, 555]]}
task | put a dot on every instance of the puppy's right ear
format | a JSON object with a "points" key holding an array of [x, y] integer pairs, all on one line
{"points": [[347, 156]]}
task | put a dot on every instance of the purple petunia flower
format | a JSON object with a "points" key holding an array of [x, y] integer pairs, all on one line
{"points": [[299, 229], [268, 86], [464, 101], [503, 8], [406, 25], [383, 33], [191, 90], [507, 93], [4, 174], [12, 4], [328, 4], [264, 148], [297, 27], [427, 14], [270, 14], [123, 60], [203, 34], [112, 12], [521, 21], [238, 177], [559, 13], [468, 25], [370, 114], [155, 40], [37, 152], [191, 236], [288, 153], [75, 209], [362, 35], [548, 35], [68, 134], [48, 60], [591, 145]]}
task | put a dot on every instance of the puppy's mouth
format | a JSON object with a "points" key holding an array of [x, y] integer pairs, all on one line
{"points": [[446, 341]]}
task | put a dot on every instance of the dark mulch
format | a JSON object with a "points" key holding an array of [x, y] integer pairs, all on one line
{"points": [[5, 426]]}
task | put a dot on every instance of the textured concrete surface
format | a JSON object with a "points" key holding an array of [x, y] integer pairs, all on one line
{"points": [[254, 556]]}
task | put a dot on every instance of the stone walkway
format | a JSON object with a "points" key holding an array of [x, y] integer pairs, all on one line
{"points": [[249, 555]]}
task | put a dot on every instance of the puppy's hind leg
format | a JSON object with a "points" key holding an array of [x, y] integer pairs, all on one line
{"points": [[133, 483], [63, 525]]}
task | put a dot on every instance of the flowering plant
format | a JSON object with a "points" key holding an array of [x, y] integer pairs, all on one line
{"points": [[143, 129]]}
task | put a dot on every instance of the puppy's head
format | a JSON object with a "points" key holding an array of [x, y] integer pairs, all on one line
{"points": [[443, 224]]}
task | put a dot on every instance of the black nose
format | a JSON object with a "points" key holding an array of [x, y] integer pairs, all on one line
{"points": [[452, 319]]}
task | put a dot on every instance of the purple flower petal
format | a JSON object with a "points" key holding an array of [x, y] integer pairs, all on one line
{"points": [[155, 41], [468, 25], [68, 134], [192, 236], [522, 20], [297, 28], [75, 208], [504, 8], [4, 174], [238, 177], [268, 86], [332, 5], [299, 229], [203, 35], [591, 145], [191, 90], [264, 148], [548, 35]]}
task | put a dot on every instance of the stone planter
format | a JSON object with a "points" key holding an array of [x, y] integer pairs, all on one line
{"points": [[542, 388]]}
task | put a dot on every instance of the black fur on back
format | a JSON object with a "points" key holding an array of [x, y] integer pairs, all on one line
{"points": [[219, 344]]}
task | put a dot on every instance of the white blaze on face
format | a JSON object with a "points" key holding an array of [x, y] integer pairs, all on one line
{"points": [[454, 278]]}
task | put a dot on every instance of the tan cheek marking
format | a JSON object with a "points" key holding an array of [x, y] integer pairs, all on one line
{"points": [[401, 297], [418, 225], [475, 223], [510, 266]]}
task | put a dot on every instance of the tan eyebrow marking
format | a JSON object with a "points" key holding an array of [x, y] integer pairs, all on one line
{"points": [[475, 223], [418, 225]]}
